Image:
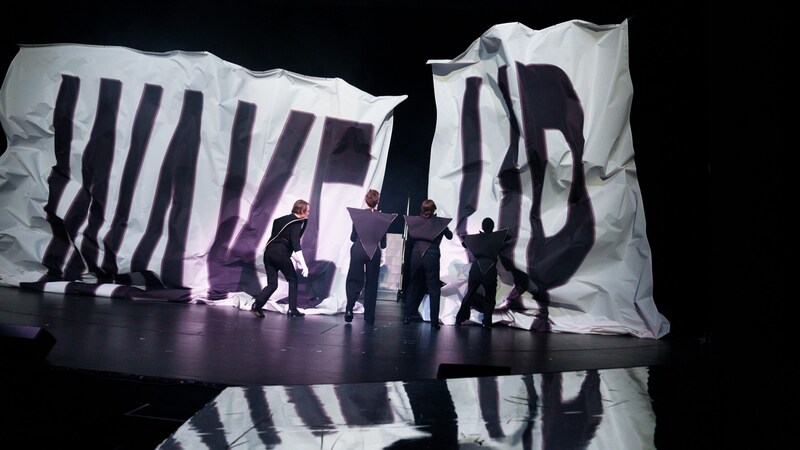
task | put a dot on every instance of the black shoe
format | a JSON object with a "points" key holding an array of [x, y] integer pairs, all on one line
{"points": [[435, 326], [487, 326], [295, 313], [258, 312], [348, 316]]}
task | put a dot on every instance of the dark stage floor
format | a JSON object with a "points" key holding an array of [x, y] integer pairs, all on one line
{"points": [[133, 374]]}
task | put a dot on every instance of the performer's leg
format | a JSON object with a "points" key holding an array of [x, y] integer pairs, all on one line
{"points": [[268, 290], [434, 286], [466, 305], [490, 287], [354, 283], [373, 268], [473, 282], [411, 299], [286, 267]]}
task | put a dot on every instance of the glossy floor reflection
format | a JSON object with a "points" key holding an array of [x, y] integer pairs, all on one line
{"points": [[138, 375], [583, 409]]}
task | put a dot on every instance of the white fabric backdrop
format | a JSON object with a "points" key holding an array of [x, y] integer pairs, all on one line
{"points": [[190, 203], [516, 112], [580, 234]]}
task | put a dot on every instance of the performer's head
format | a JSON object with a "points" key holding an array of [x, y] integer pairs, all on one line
{"points": [[487, 225], [428, 208], [300, 209], [372, 198]]}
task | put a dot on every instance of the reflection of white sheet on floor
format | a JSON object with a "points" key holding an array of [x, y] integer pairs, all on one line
{"points": [[583, 409]]}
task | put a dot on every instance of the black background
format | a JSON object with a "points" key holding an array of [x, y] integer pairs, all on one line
{"points": [[381, 47]]}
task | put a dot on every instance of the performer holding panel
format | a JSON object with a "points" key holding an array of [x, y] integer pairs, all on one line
{"points": [[426, 231], [283, 252], [485, 248], [368, 237]]}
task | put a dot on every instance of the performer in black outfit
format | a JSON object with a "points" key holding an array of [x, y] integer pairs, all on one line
{"points": [[485, 248], [283, 252], [426, 230], [369, 231]]}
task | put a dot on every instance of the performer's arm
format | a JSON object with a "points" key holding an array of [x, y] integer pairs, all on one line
{"points": [[447, 233], [295, 231]]}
